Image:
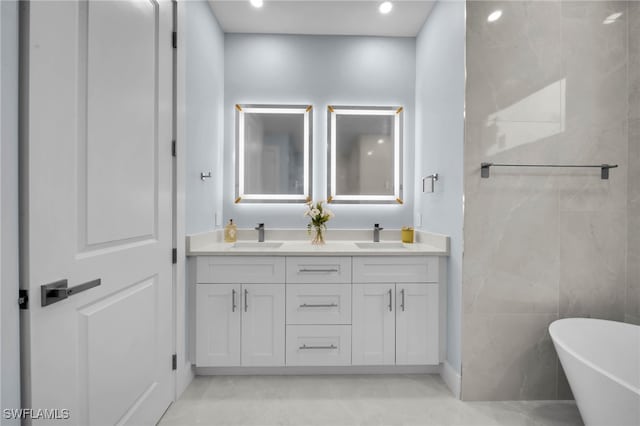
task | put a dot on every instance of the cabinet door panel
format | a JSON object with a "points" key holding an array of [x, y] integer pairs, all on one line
{"points": [[263, 312], [406, 269], [240, 269], [417, 340], [217, 325], [373, 316]]}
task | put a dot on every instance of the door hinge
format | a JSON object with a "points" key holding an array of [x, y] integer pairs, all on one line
{"points": [[174, 39], [173, 148], [174, 362], [174, 255], [23, 299]]}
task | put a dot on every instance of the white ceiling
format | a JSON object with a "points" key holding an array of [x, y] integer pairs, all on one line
{"points": [[322, 17]]}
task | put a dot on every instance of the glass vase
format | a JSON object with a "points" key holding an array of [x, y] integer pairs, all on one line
{"points": [[318, 236]]}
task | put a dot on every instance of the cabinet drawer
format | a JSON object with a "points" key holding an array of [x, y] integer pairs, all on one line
{"points": [[318, 270], [318, 304], [240, 269], [318, 345], [400, 269]]}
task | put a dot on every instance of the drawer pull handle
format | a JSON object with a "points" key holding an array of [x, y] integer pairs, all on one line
{"points": [[307, 270], [390, 301], [246, 300], [304, 347], [402, 304], [233, 300], [328, 305]]}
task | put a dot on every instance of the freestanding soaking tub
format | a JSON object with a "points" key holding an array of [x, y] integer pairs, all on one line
{"points": [[602, 362]]}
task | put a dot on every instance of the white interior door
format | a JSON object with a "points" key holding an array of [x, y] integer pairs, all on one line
{"points": [[97, 194], [218, 325], [373, 336], [417, 338], [263, 325]]}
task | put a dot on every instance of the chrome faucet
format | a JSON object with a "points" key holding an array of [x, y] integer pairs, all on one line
{"points": [[260, 229], [376, 233]]}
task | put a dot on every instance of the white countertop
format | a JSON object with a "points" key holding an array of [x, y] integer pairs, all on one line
{"points": [[297, 243]]}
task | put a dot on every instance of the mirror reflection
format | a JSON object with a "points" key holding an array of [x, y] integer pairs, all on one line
{"points": [[273, 158], [365, 151]]}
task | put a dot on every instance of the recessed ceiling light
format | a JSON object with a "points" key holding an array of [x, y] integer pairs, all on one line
{"points": [[380, 141], [385, 7], [256, 3], [612, 18], [494, 16]]}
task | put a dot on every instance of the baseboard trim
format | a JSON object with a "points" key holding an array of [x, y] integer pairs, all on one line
{"points": [[184, 376], [451, 378], [301, 371]]}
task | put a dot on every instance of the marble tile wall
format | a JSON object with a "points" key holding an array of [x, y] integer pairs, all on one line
{"points": [[632, 308], [546, 83]]}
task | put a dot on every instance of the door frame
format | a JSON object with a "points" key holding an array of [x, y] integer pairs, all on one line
{"points": [[182, 338]]}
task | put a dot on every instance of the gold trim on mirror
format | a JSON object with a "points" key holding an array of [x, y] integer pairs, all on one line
{"points": [[399, 201], [329, 199], [238, 107], [399, 110], [308, 108], [331, 108], [238, 200]]}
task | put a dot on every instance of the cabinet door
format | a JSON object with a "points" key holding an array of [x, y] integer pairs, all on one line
{"points": [[373, 326], [417, 340], [263, 329], [217, 325]]}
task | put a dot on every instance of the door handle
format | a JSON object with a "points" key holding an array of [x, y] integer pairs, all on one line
{"points": [[390, 300], [402, 303], [246, 299], [60, 290]]}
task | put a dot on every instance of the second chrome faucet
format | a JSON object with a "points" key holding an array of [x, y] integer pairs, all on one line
{"points": [[260, 229]]}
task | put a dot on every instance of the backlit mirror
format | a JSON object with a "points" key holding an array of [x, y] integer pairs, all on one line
{"points": [[273, 153], [365, 154]]}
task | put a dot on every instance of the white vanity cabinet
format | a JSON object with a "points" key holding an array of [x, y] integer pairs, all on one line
{"points": [[240, 320], [396, 322], [319, 311]]}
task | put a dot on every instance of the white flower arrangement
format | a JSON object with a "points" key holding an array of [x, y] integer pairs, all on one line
{"points": [[319, 216]]}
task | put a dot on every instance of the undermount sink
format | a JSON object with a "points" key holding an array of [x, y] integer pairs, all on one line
{"points": [[381, 246], [256, 245]]}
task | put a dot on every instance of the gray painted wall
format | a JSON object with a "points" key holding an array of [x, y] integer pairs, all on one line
{"points": [[319, 70], [440, 83], [9, 332], [204, 70]]}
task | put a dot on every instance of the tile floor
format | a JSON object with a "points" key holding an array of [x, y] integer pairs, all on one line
{"points": [[351, 400]]}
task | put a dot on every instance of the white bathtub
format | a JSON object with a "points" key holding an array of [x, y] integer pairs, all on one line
{"points": [[602, 362]]}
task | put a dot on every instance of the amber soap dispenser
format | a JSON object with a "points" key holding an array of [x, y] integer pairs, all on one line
{"points": [[230, 232]]}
